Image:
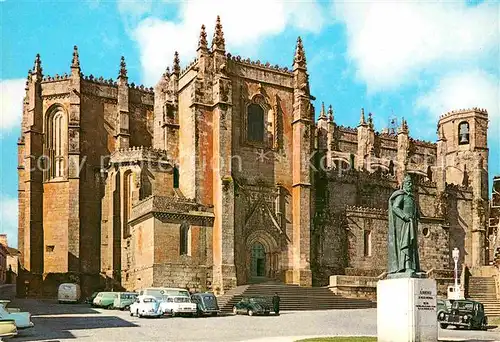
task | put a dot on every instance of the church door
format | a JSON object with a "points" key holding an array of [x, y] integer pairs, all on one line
{"points": [[258, 260]]}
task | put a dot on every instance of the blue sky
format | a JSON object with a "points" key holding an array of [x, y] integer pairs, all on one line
{"points": [[406, 59]]}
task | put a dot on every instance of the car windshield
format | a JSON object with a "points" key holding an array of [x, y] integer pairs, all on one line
{"points": [[181, 293], [181, 300], [463, 305], [128, 296], [209, 299], [258, 300]]}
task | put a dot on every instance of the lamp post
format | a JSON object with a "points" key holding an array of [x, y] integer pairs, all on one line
{"points": [[456, 254]]}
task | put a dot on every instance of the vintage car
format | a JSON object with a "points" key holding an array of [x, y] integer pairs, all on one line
{"points": [[68, 293], [146, 306], [123, 300], [206, 304], [22, 319], [104, 300], [464, 313], [178, 305], [161, 292], [443, 305], [252, 306], [90, 300], [7, 328]]}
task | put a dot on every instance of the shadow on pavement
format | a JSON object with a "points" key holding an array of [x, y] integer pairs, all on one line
{"points": [[54, 328], [39, 307]]}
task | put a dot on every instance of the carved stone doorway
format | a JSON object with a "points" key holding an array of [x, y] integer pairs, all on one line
{"points": [[258, 260], [263, 257]]}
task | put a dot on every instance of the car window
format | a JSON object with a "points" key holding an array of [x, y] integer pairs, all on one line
{"points": [[149, 300], [463, 305], [170, 300]]}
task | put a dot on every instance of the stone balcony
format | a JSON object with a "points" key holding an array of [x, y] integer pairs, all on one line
{"points": [[173, 209]]}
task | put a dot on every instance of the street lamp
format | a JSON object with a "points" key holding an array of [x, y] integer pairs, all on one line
{"points": [[456, 254]]}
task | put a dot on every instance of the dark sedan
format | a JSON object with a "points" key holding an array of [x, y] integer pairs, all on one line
{"points": [[252, 306], [467, 314]]}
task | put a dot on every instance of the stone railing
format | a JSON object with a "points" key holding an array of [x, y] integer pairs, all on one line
{"points": [[171, 205], [139, 153]]}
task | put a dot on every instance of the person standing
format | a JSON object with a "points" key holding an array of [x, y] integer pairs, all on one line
{"points": [[276, 303]]}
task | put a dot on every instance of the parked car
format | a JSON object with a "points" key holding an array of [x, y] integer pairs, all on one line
{"points": [[7, 328], [22, 319], [468, 314], [252, 306], [146, 306], [105, 299], [123, 300], [90, 300], [161, 292], [178, 305], [443, 305], [206, 304], [68, 293]]}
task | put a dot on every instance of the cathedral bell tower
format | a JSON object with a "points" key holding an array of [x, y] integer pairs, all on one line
{"points": [[464, 159]]}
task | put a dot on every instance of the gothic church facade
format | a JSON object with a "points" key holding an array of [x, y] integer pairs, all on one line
{"points": [[222, 176]]}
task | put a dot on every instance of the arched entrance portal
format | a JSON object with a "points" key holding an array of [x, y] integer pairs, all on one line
{"points": [[258, 257], [262, 257]]}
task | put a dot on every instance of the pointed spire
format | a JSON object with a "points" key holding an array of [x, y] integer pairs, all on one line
{"points": [[75, 63], [322, 113], [299, 59], [177, 64], [370, 120], [362, 118], [166, 74], [404, 126], [202, 43], [330, 113], [123, 68], [218, 42], [37, 68]]}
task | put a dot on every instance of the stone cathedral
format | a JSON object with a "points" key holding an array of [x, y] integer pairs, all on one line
{"points": [[222, 175]]}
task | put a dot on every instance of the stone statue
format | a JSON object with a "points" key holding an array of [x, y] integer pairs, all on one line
{"points": [[402, 258]]}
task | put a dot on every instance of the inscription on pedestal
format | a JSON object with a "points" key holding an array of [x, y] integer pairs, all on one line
{"points": [[426, 300]]}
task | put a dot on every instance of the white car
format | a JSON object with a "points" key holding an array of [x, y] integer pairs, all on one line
{"points": [[145, 306], [22, 319], [178, 305]]}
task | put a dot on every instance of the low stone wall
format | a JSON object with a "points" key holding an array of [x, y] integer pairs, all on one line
{"points": [[354, 286], [193, 277], [366, 287]]}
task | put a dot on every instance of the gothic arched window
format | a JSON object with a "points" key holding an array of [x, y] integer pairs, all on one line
{"points": [[185, 241], [255, 123], [56, 143], [463, 133]]}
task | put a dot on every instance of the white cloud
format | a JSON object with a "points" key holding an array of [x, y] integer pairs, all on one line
{"points": [[11, 103], [8, 218], [244, 25], [465, 89], [392, 42]]}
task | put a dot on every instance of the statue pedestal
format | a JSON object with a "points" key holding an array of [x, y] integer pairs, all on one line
{"points": [[406, 310]]}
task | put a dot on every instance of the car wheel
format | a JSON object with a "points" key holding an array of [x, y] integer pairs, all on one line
{"points": [[266, 313], [484, 325], [443, 325], [138, 314], [131, 314], [250, 312], [126, 308], [235, 310], [172, 313], [214, 314]]}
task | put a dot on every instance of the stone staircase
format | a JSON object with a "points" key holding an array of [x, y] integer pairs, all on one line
{"points": [[293, 297], [483, 290]]}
